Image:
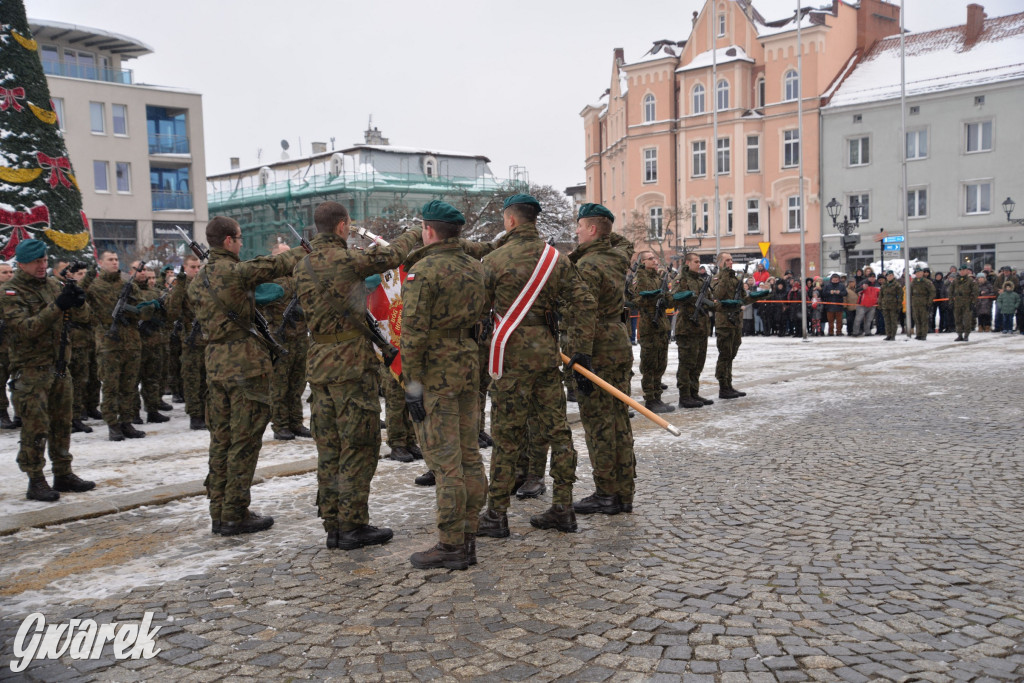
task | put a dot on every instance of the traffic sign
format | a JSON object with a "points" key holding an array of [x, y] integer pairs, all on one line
{"points": [[892, 247], [893, 239], [764, 247]]}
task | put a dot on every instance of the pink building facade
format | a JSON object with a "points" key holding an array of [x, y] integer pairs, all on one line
{"points": [[652, 153]]}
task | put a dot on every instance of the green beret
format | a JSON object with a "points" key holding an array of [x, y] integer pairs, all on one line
{"points": [[520, 199], [268, 292], [442, 211], [29, 250], [594, 211]]}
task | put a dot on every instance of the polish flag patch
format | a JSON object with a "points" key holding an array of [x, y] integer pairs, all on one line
{"points": [[11, 292], [410, 277]]}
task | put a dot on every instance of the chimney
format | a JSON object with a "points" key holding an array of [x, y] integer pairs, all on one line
{"points": [[975, 24], [234, 164], [319, 147], [620, 56]]}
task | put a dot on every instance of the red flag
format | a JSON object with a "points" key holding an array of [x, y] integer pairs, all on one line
{"points": [[385, 305]]}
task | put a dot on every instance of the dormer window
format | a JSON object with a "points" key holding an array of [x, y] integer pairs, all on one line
{"points": [[430, 167], [337, 164], [264, 177]]}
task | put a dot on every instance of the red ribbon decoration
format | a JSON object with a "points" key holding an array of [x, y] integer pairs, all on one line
{"points": [[10, 98], [39, 214], [18, 233], [59, 167]]}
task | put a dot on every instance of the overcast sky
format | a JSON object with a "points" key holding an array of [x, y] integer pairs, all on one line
{"points": [[505, 80]]}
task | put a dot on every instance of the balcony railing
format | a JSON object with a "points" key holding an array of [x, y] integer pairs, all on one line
{"points": [[168, 144], [90, 73], [167, 200]]}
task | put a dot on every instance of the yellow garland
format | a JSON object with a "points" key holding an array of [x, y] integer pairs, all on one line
{"points": [[20, 175], [72, 176], [68, 241], [44, 115], [26, 43]]}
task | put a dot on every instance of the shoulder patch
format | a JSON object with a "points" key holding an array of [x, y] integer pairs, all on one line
{"points": [[11, 292], [410, 277]]}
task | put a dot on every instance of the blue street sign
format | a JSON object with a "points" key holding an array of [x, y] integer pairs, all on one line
{"points": [[892, 239], [892, 247]]}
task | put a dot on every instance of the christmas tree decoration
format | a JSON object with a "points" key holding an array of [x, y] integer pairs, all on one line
{"points": [[39, 195]]}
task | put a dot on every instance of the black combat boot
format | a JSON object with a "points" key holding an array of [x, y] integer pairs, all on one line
{"points": [[531, 488], [249, 525], [705, 401], [164, 406], [415, 450], [157, 417], [967, 336], [625, 506], [130, 432], [959, 337], [560, 517], [283, 434], [16, 421], [39, 489], [114, 433], [725, 391], [137, 420], [493, 524], [72, 483], [484, 439], [178, 398], [441, 556], [470, 544], [400, 454], [93, 413], [690, 402], [5, 421], [77, 426], [598, 502], [332, 538], [196, 423], [302, 431], [656, 406], [215, 526], [426, 479], [363, 536], [737, 391]]}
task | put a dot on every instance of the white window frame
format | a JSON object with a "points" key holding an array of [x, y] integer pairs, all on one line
{"points": [[791, 211], [101, 108], [104, 176], [791, 86], [760, 93], [723, 153], [916, 135], [58, 109], [721, 25], [917, 193], [754, 208], [704, 216], [113, 115], [728, 216], [693, 218], [650, 108], [858, 151], [650, 165], [697, 99], [123, 169], [656, 223], [860, 197], [701, 155], [756, 148], [979, 192], [791, 148], [980, 135], [722, 94]]}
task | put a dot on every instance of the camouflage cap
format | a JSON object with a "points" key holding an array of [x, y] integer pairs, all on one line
{"points": [[29, 250], [521, 199], [594, 211], [268, 292], [437, 210]]}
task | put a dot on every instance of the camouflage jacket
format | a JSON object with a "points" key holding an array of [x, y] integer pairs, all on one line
{"points": [[341, 272], [922, 291], [101, 296], [724, 286], [274, 311], [443, 298], [891, 296], [152, 332], [602, 264], [81, 333], [532, 347], [33, 320], [685, 327], [233, 353], [964, 289], [652, 320], [179, 308]]}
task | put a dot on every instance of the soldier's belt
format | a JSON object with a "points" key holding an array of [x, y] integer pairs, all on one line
{"points": [[233, 336], [533, 320], [451, 333], [335, 338]]}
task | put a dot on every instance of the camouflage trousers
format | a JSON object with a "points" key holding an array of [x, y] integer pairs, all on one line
{"points": [[93, 385], [963, 314], [449, 439], [151, 377], [287, 382], [172, 366], [485, 383], [193, 376], [653, 361], [891, 316], [728, 340], [922, 319], [43, 401], [693, 352], [396, 415], [609, 434], [346, 425], [238, 414], [5, 375], [82, 359], [119, 372], [513, 399], [533, 453]]}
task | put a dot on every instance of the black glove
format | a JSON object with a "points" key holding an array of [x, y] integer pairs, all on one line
{"points": [[414, 403], [583, 385], [73, 296]]}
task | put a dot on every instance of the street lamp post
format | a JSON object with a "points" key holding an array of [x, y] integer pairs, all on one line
{"points": [[849, 240], [1008, 207]]}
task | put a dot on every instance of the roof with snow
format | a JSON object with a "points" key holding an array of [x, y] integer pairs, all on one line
{"points": [[90, 38], [723, 55], [936, 61]]}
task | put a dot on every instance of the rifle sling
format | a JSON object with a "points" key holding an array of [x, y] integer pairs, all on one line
{"points": [[343, 311]]}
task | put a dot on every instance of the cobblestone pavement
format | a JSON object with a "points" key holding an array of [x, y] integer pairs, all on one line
{"points": [[858, 521]]}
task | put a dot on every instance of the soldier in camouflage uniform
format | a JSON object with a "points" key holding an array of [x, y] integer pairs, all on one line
{"points": [[691, 336], [964, 293], [83, 349], [193, 344], [118, 358], [532, 462], [151, 365], [922, 296], [529, 373], [34, 307], [652, 331], [890, 300], [443, 299], [341, 369], [238, 366], [602, 259], [727, 290], [288, 381], [5, 371], [401, 434], [172, 357]]}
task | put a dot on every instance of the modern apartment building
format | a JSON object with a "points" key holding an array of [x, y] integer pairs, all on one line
{"points": [[964, 139], [137, 149], [652, 151]]}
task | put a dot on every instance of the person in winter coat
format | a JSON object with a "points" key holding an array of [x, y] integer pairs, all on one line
{"points": [[983, 306], [1006, 305], [777, 310], [833, 294], [794, 318], [866, 304], [851, 305]]}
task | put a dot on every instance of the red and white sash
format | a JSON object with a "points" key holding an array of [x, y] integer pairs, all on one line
{"points": [[504, 327]]}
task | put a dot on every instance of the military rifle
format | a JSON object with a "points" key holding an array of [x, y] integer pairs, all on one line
{"points": [[122, 306], [662, 304], [197, 249], [698, 305], [289, 312], [61, 369]]}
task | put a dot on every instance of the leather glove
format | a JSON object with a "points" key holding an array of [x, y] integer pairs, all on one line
{"points": [[73, 296], [583, 384], [414, 403], [683, 296]]}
